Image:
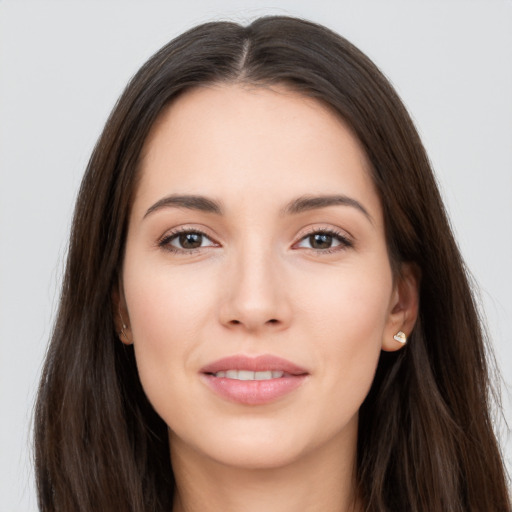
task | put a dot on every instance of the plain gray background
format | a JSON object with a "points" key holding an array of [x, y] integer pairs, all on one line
{"points": [[63, 64]]}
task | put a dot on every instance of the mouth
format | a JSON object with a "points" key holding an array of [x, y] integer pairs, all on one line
{"points": [[249, 375], [253, 380]]}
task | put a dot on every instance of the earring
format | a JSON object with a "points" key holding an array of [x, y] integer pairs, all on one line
{"points": [[122, 333], [400, 337]]}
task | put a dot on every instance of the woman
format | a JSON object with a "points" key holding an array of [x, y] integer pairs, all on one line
{"points": [[264, 307]]}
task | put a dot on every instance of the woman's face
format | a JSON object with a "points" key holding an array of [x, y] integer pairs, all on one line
{"points": [[256, 250]]}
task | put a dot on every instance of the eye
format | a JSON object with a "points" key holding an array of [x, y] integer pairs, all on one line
{"points": [[325, 241], [186, 241]]}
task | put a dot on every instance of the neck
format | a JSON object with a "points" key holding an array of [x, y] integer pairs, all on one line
{"points": [[313, 482]]}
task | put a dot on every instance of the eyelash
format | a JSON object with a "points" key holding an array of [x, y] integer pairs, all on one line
{"points": [[165, 242], [344, 242]]}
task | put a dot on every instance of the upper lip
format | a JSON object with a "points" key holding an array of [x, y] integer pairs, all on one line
{"points": [[256, 364]]}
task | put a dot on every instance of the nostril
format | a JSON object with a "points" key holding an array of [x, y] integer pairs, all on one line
{"points": [[238, 322]]}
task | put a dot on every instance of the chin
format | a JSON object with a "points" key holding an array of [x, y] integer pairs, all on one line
{"points": [[257, 456], [259, 445], [243, 444]]}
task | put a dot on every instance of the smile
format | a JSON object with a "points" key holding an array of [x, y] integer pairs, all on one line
{"points": [[249, 375], [253, 380]]}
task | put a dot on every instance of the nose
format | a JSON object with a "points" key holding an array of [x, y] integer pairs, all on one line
{"points": [[255, 296]]}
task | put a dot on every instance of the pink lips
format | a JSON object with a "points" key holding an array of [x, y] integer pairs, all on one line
{"points": [[253, 392]]}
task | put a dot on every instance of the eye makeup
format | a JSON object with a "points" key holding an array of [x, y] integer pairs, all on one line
{"points": [[187, 240]]}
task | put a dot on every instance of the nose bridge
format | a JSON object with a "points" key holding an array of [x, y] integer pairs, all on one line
{"points": [[255, 296]]}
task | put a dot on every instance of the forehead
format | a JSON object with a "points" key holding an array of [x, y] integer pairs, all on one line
{"points": [[266, 142]]}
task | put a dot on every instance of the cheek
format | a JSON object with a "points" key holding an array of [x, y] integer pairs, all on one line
{"points": [[167, 311], [163, 300], [350, 315], [352, 303]]}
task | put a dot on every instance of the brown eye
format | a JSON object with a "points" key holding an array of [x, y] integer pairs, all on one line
{"points": [[190, 240], [186, 241], [320, 241], [324, 241]]}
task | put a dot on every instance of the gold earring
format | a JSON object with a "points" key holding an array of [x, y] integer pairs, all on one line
{"points": [[400, 337]]}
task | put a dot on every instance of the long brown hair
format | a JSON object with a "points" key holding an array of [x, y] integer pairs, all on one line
{"points": [[426, 441]]}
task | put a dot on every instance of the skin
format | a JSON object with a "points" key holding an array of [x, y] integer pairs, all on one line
{"points": [[259, 284]]}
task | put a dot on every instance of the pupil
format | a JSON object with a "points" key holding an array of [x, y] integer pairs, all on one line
{"points": [[191, 240], [320, 241]]}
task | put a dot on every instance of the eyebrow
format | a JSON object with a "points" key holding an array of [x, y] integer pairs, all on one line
{"points": [[190, 202], [294, 207], [310, 202]]}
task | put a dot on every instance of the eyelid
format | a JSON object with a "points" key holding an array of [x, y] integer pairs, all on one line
{"points": [[163, 241], [345, 239]]}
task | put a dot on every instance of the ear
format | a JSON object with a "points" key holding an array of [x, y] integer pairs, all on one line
{"points": [[403, 306], [120, 314]]}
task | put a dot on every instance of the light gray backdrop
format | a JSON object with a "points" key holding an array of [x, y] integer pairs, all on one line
{"points": [[63, 64]]}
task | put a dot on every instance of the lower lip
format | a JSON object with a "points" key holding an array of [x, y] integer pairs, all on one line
{"points": [[253, 392]]}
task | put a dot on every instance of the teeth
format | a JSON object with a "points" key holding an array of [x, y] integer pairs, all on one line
{"points": [[263, 375], [248, 375]]}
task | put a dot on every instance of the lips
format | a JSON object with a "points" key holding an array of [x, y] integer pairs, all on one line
{"points": [[253, 380]]}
